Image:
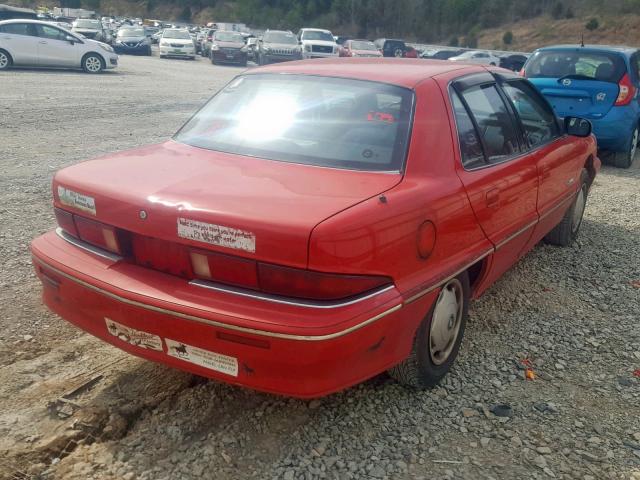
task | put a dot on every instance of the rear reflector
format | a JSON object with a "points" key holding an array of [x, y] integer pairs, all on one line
{"points": [[224, 269], [627, 91]]}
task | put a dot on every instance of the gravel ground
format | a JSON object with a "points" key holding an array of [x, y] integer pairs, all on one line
{"points": [[572, 313]]}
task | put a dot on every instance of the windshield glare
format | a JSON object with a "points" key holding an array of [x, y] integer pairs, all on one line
{"points": [[314, 35], [602, 66], [229, 37], [87, 24], [361, 45], [280, 37], [330, 122], [179, 34], [131, 32]]}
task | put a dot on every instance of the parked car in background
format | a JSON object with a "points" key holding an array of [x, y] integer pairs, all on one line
{"points": [[411, 52], [317, 43], [155, 38], [478, 57], [513, 61], [391, 47], [41, 44], [599, 83], [319, 248], [252, 47], [359, 48], [200, 38], [228, 47], [132, 40], [176, 42], [206, 42], [340, 39], [440, 54], [91, 29], [278, 46]]}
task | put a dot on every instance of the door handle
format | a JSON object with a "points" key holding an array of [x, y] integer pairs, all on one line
{"points": [[42, 42], [492, 198]]}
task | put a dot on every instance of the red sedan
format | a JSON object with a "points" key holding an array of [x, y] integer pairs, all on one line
{"points": [[359, 48], [304, 232]]}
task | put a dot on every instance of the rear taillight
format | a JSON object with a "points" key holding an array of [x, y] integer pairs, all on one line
{"points": [[222, 268], [627, 91], [279, 280], [522, 73], [101, 235], [65, 220]]}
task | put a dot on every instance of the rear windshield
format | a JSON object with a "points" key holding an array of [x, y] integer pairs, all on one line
{"points": [[329, 122], [576, 64], [229, 37], [88, 24]]}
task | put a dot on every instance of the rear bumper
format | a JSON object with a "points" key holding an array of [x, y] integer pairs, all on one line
{"points": [[285, 349], [614, 130]]}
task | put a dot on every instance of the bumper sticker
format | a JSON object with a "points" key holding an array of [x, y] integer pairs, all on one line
{"points": [[204, 358], [133, 336], [77, 200], [216, 235]]}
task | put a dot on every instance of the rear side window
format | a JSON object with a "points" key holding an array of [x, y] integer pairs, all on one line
{"points": [[494, 121], [18, 29], [538, 119], [577, 64], [470, 145]]}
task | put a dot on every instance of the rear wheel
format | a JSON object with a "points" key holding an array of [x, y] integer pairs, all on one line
{"points": [[567, 230], [438, 338], [92, 63], [5, 60], [625, 159]]}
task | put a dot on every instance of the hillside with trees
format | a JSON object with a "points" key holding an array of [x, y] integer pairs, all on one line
{"points": [[489, 23]]}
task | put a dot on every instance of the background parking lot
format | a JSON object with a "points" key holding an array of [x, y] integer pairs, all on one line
{"points": [[72, 406]]}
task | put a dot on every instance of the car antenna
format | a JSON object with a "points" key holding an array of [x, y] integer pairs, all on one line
{"points": [[582, 40]]}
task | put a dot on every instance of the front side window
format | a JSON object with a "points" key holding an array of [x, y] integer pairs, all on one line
{"points": [[52, 33], [537, 118], [322, 121], [495, 123], [18, 29]]}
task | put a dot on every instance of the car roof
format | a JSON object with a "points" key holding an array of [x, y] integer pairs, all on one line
{"points": [[26, 20], [405, 72], [602, 48], [316, 29]]}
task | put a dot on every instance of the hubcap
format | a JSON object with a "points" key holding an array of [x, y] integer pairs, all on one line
{"points": [[445, 324], [634, 145], [578, 210], [4, 60], [93, 64]]}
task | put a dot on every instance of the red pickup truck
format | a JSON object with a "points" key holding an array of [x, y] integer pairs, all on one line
{"points": [[317, 223]]}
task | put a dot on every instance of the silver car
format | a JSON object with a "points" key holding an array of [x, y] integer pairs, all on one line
{"points": [[41, 44]]}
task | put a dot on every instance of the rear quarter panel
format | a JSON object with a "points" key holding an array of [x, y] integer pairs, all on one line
{"points": [[380, 236]]}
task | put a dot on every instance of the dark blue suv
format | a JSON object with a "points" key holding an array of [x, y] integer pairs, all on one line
{"points": [[597, 82]]}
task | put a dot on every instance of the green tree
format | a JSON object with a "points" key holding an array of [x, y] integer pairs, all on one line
{"points": [[592, 24], [454, 42], [507, 38]]}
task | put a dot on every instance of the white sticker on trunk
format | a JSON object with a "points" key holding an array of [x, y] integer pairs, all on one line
{"points": [[133, 336], [216, 235], [204, 358], [77, 200]]}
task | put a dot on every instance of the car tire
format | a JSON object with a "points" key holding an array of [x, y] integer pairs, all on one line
{"points": [[493, 64], [625, 159], [565, 233], [438, 338], [93, 63], [163, 56], [149, 52], [213, 62], [5, 60]]}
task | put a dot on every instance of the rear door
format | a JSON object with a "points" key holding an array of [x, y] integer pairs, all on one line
{"points": [[500, 178], [54, 50], [20, 40], [577, 81]]}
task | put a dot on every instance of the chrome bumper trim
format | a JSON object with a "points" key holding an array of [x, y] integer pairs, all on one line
{"points": [[87, 246]]}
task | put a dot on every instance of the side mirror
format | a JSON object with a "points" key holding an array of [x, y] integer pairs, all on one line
{"points": [[577, 127], [70, 39]]}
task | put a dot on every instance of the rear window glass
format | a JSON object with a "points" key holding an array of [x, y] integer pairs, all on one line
{"points": [[576, 64], [321, 121]]}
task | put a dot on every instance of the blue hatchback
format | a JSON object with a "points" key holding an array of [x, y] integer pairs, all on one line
{"points": [[596, 82]]}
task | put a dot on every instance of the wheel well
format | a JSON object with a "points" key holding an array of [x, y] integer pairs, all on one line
{"points": [[8, 54], [588, 165], [475, 272], [104, 62]]}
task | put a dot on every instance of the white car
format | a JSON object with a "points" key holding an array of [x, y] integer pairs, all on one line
{"points": [[478, 57], [317, 43], [41, 44], [177, 42]]}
